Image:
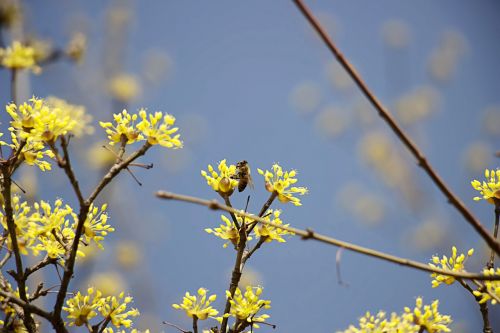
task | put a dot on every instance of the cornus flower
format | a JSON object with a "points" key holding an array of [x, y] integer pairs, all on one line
{"points": [[124, 130], [221, 181], [489, 189], [82, 308], [96, 227], [244, 307], [115, 308], [270, 233], [428, 316], [280, 183], [18, 57], [490, 287], [454, 263], [32, 153], [197, 306], [82, 119], [158, 130], [228, 230], [380, 323]]}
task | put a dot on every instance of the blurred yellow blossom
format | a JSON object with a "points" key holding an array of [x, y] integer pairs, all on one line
{"points": [[454, 263], [124, 87], [477, 156], [305, 97], [76, 112], [270, 233], [396, 33], [128, 254], [489, 189], [280, 183], [18, 56], [197, 306], [107, 282], [417, 104], [222, 181]]}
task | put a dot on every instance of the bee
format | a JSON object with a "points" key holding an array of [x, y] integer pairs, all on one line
{"points": [[243, 175]]}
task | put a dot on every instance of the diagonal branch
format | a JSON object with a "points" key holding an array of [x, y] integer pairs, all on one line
{"points": [[309, 234], [391, 122]]}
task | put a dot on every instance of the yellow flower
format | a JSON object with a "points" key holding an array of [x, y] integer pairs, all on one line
{"points": [[489, 189], [428, 316], [270, 233], [19, 57], [245, 306], [32, 152], [115, 308], [228, 230], [280, 182], [222, 181], [124, 87], [82, 119], [95, 226], [124, 128], [454, 263], [157, 128], [492, 287], [82, 308], [197, 306]]}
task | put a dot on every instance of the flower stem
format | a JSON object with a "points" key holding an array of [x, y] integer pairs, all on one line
{"points": [[491, 263]]}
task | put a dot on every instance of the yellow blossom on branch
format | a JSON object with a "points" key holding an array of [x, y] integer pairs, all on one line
{"points": [[280, 183], [81, 309], [228, 230], [157, 129], [18, 56], [95, 226], [428, 316], [78, 113], [454, 263], [123, 130], [490, 287], [489, 189], [115, 308], [270, 233], [197, 306], [221, 181], [245, 306]]}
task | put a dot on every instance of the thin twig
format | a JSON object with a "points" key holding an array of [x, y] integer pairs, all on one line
{"points": [[309, 234], [26, 306], [400, 133], [491, 262]]}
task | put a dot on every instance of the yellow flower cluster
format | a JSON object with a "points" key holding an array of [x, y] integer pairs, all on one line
{"points": [[197, 306], [489, 189], [221, 181], [270, 233], [410, 321], [18, 56], [454, 263], [227, 231], [154, 128], [245, 306], [280, 182], [492, 287], [39, 123], [428, 316], [82, 308], [43, 228]]}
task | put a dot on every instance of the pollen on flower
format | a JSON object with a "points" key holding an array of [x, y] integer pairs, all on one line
{"points": [[228, 230], [489, 189], [221, 181], [197, 305], [280, 182], [455, 263]]}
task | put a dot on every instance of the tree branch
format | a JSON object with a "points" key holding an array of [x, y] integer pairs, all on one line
{"points": [[309, 234], [403, 137]]}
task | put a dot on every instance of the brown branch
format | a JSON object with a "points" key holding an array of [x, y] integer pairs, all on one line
{"points": [[69, 171], [26, 306], [483, 307], [491, 262], [82, 216], [11, 226], [391, 122], [309, 234]]}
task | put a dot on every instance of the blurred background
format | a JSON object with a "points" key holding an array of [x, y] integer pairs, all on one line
{"points": [[251, 80]]}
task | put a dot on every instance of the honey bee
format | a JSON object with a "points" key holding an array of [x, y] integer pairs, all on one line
{"points": [[243, 175]]}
